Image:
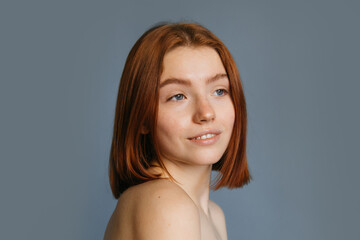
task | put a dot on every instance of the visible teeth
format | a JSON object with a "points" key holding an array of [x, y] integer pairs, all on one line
{"points": [[206, 136]]}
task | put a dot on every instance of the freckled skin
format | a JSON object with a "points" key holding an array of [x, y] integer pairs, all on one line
{"points": [[200, 107]]}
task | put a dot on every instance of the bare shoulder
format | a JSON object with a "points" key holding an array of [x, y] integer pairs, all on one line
{"points": [[158, 209], [216, 210], [218, 217], [120, 224], [165, 211]]}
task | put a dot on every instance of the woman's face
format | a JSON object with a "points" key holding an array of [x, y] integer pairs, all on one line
{"points": [[194, 102]]}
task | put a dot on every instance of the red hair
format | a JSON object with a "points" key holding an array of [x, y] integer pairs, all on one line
{"points": [[137, 104]]}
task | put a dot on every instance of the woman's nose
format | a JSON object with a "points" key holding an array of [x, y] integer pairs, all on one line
{"points": [[204, 112]]}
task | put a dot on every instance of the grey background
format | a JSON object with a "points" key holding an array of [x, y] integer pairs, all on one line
{"points": [[61, 63]]}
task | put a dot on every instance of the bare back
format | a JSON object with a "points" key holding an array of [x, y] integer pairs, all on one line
{"points": [[159, 207]]}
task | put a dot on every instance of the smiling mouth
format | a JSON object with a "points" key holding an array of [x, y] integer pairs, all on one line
{"points": [[205, 139], [205, 136]]}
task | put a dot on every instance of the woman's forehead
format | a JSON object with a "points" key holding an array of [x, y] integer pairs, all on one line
{"points": [[191, 63]]}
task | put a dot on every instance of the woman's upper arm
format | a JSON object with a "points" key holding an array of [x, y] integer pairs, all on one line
{"points": [[165, 215]]}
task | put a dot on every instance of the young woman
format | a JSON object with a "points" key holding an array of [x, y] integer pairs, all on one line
{"points": [[180, 113]]}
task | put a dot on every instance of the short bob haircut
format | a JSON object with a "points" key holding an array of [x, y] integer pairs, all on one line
{"points": [[137, 105]]}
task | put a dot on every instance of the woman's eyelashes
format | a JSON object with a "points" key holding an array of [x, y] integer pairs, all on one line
{"points": [[221, 92], [179, 96]]}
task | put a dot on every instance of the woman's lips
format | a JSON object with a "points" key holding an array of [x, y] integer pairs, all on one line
{"points": [[206, 138], [205, 142], [209, 131]]}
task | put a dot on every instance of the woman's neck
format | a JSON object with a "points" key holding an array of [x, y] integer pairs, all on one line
{"points": [[194, 180]]}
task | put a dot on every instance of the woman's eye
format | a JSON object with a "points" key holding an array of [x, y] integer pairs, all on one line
{"points": [[177, 97], [220, 92]]}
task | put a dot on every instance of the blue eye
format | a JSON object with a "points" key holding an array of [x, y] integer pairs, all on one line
{"points": [[221, 92], [177, 97]]}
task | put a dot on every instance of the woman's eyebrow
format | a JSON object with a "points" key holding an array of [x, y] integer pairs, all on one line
{"points": [[188, 83]]}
